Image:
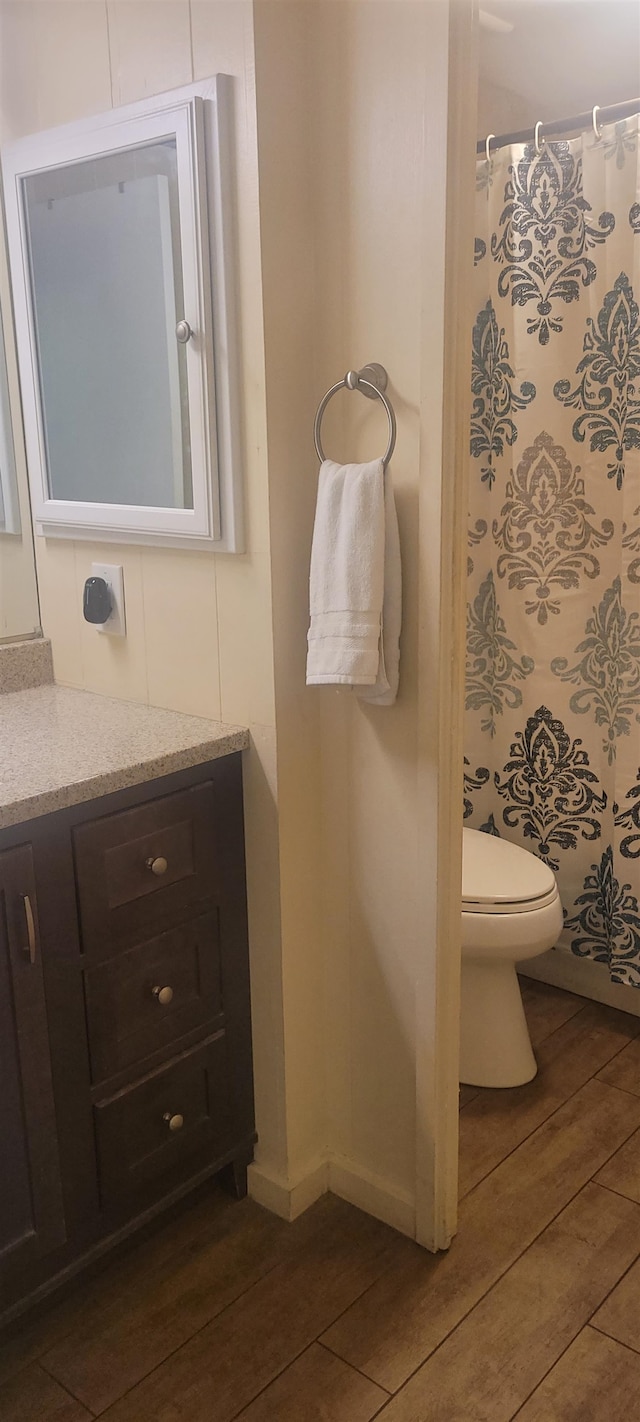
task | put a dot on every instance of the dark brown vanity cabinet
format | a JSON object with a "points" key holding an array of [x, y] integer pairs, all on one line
{"points": [[125, 1048], [31, 1212]]}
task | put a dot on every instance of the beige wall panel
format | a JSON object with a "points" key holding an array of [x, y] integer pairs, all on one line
{"points": [[150, 46], [18, 73], [56, 62], [114, 666], [449, 168], [61, 612], [181, 630], [500, 110], [385, 942], [292, 317], [245, 640], [371, 248], [334, 355], [560, 58], [335, 875], [54, 66]]}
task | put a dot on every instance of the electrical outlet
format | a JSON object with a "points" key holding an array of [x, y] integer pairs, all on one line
{"points": [[116, 624]]}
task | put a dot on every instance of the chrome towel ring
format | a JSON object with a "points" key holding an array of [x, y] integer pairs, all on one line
{"points": [[370, 381]]}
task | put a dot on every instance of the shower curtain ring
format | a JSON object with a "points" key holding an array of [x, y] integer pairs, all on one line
{"points": [[536, 137], [487, 147], [594, 120]]}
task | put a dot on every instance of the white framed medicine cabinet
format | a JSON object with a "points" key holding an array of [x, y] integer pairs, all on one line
{"points": [[120, 243]]}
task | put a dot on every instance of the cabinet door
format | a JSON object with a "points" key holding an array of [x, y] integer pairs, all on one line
{"points": [[124, 321], [31, 1212]]}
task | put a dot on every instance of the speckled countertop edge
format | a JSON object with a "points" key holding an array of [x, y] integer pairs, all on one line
{"points": [[62, 747], [25, 664]]}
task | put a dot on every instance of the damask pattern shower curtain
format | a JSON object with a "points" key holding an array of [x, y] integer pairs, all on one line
{"points": [[553, 637]]}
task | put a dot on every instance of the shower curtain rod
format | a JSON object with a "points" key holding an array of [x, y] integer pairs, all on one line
{"points": [[565, 125]]}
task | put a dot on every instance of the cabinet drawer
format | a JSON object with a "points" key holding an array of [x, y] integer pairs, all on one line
{"points": [[150, 1129], [151, 995], [144, 867]]}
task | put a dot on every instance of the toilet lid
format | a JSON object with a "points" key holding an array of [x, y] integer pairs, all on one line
{"points": [[500, 877]]}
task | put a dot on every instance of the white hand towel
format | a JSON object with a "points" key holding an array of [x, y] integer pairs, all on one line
{"points": [[355, 581], [385, 690]]}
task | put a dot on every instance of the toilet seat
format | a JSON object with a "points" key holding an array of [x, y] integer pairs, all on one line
{"points": [[499, 877]]}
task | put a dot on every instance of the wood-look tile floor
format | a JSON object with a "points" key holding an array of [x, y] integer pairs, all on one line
{"points": [[226, 1312]]}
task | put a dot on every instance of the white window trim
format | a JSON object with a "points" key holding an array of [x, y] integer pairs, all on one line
{"points": [[9, 500], [199, 115]]}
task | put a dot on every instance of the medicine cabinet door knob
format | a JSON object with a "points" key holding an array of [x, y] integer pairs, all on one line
{"points": [[158, 865], [163, 995], [183, 332], [175, 1123]]}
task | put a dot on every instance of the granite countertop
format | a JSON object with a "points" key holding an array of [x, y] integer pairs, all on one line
{"points": [[60, 747]]}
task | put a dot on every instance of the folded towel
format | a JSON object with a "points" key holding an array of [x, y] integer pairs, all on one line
{"points": [[355, 582], [385, 690]]}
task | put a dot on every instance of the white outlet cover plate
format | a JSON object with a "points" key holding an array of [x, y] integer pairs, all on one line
{"points": [[116, 624]]}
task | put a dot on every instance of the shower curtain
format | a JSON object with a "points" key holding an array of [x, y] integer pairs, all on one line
{"points": [[552, 756]]}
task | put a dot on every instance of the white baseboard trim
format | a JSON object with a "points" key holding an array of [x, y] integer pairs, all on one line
{"points": [[285, 1199], [372, 1194], [584, 977], [368, 1192]]}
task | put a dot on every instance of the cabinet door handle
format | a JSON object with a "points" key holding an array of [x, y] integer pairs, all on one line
{"points": [[163, 995], [158, 865], [30, 946], [174, 1122]]}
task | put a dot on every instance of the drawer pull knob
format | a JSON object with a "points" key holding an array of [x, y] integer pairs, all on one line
{"points": [[163, 995], [158, 865], [175, 1123]]}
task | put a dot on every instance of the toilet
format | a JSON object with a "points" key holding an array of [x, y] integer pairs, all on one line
{"points": [[511, 911]]}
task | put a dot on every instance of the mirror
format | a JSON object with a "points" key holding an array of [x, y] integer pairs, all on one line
{"points": [[19, 612], [121, 248], [106, 276], [9, 505]]}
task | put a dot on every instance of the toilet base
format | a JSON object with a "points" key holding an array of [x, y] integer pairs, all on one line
{"points": [[495, 1048]]}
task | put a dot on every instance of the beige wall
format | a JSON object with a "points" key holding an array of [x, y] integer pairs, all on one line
{"points": [[370, 119], [501, 110], [558, 59], [352, 105], [293, 302], [383, 243]]}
